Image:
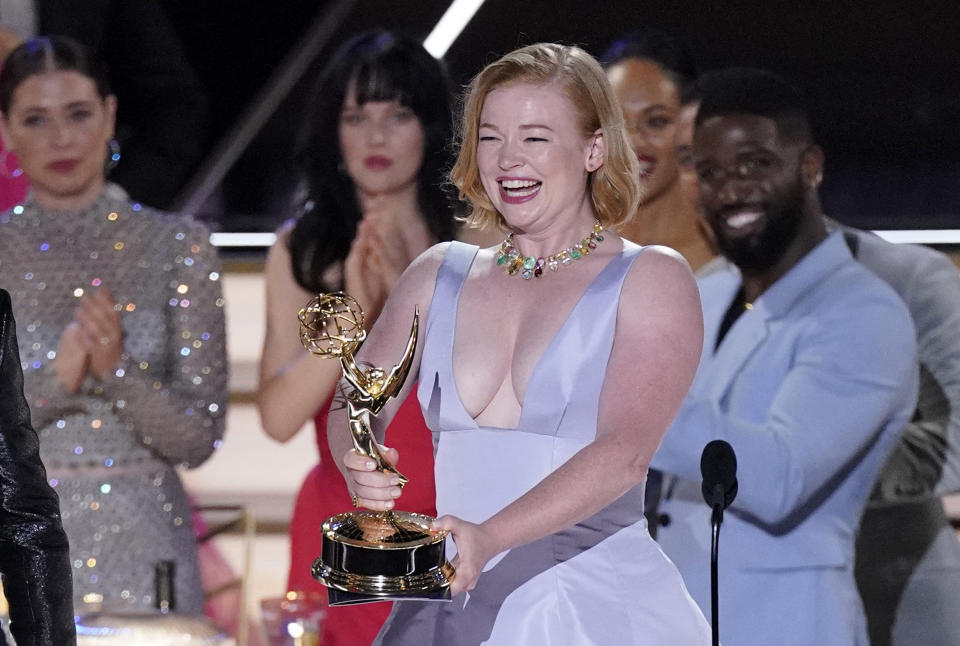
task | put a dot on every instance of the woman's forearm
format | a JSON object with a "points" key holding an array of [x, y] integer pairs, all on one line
{"points": [[593, 478], [291, 397]]}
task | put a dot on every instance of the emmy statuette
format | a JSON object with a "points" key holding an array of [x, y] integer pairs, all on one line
{"points": [[369, 555]]}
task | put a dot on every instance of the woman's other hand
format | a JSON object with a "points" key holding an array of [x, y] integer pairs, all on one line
{"points": [[373, 489], [389, 254], [70, 364], [359, 279], [394, 240], [99, 316], [475, 547]]}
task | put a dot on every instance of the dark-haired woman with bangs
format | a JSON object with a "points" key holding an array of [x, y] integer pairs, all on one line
{"points": [[373, 159]]}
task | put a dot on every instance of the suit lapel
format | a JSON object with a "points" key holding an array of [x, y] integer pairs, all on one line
{"points": [[716, 292], [743, 339], [718, 369], [746, 335]]}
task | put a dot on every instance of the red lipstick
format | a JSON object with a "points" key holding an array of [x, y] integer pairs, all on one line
{"points": [[648, 164], [63, 165], [377, 162], [517, 190]]}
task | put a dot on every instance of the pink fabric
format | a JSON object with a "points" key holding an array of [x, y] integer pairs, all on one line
{"points": [[13, 183], [224, 608]]}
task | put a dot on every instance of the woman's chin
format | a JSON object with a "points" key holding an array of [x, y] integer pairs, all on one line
{"points": [[66, 193]]}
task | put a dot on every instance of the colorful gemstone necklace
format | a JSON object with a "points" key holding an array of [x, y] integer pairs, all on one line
{"points": [[531, 267]]}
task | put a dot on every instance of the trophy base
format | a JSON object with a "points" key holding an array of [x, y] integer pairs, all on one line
{"points": [[337, 598], [379, 556]]}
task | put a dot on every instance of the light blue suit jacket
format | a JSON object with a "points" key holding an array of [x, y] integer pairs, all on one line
{"points": [[811, 387]]}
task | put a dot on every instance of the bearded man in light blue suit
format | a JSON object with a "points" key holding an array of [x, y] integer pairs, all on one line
{"points": [[809, 371]]}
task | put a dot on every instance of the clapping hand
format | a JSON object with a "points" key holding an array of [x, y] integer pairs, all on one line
{"points": [[379, 254], [92, 343], [392, 248], [360, 280], [99, 316]]}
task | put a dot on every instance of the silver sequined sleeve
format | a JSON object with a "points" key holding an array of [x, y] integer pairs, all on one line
{"points": [[191, 390], [170, 387]]}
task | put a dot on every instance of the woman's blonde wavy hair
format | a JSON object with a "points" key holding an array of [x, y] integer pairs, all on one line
{"points": [[614, 187]]}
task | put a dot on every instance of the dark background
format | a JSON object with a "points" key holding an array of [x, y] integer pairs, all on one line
{"points": [[882, 79]]}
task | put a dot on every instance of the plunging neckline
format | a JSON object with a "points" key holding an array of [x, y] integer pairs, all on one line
{"points": [[535, 373]]}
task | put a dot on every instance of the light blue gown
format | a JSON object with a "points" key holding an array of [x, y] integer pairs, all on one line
{"points": [[602, 581]]}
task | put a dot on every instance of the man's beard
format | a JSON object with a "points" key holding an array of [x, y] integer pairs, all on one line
{"points": [[763, 249]]}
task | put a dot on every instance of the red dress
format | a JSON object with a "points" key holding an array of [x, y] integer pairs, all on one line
{"points": [[324, 493]]}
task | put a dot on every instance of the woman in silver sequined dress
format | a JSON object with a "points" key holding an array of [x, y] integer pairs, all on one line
{"points": [[121, 334]]}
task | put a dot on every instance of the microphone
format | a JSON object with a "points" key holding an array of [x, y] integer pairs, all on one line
{"points": [[718, 466]]}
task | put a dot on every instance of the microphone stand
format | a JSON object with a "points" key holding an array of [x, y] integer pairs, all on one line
{"points": [[716, 518]]}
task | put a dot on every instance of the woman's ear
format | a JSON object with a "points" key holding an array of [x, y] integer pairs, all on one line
{"points": [[595, 151], [110, 105]]}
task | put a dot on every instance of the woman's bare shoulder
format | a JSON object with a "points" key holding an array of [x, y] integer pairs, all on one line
{"points": [[279, 251], [276, 266], [425, 266], [658, 263], [660, 286]]}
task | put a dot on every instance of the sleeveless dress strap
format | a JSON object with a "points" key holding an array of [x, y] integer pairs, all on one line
{"points": [[563, 393], [439, 332]]}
